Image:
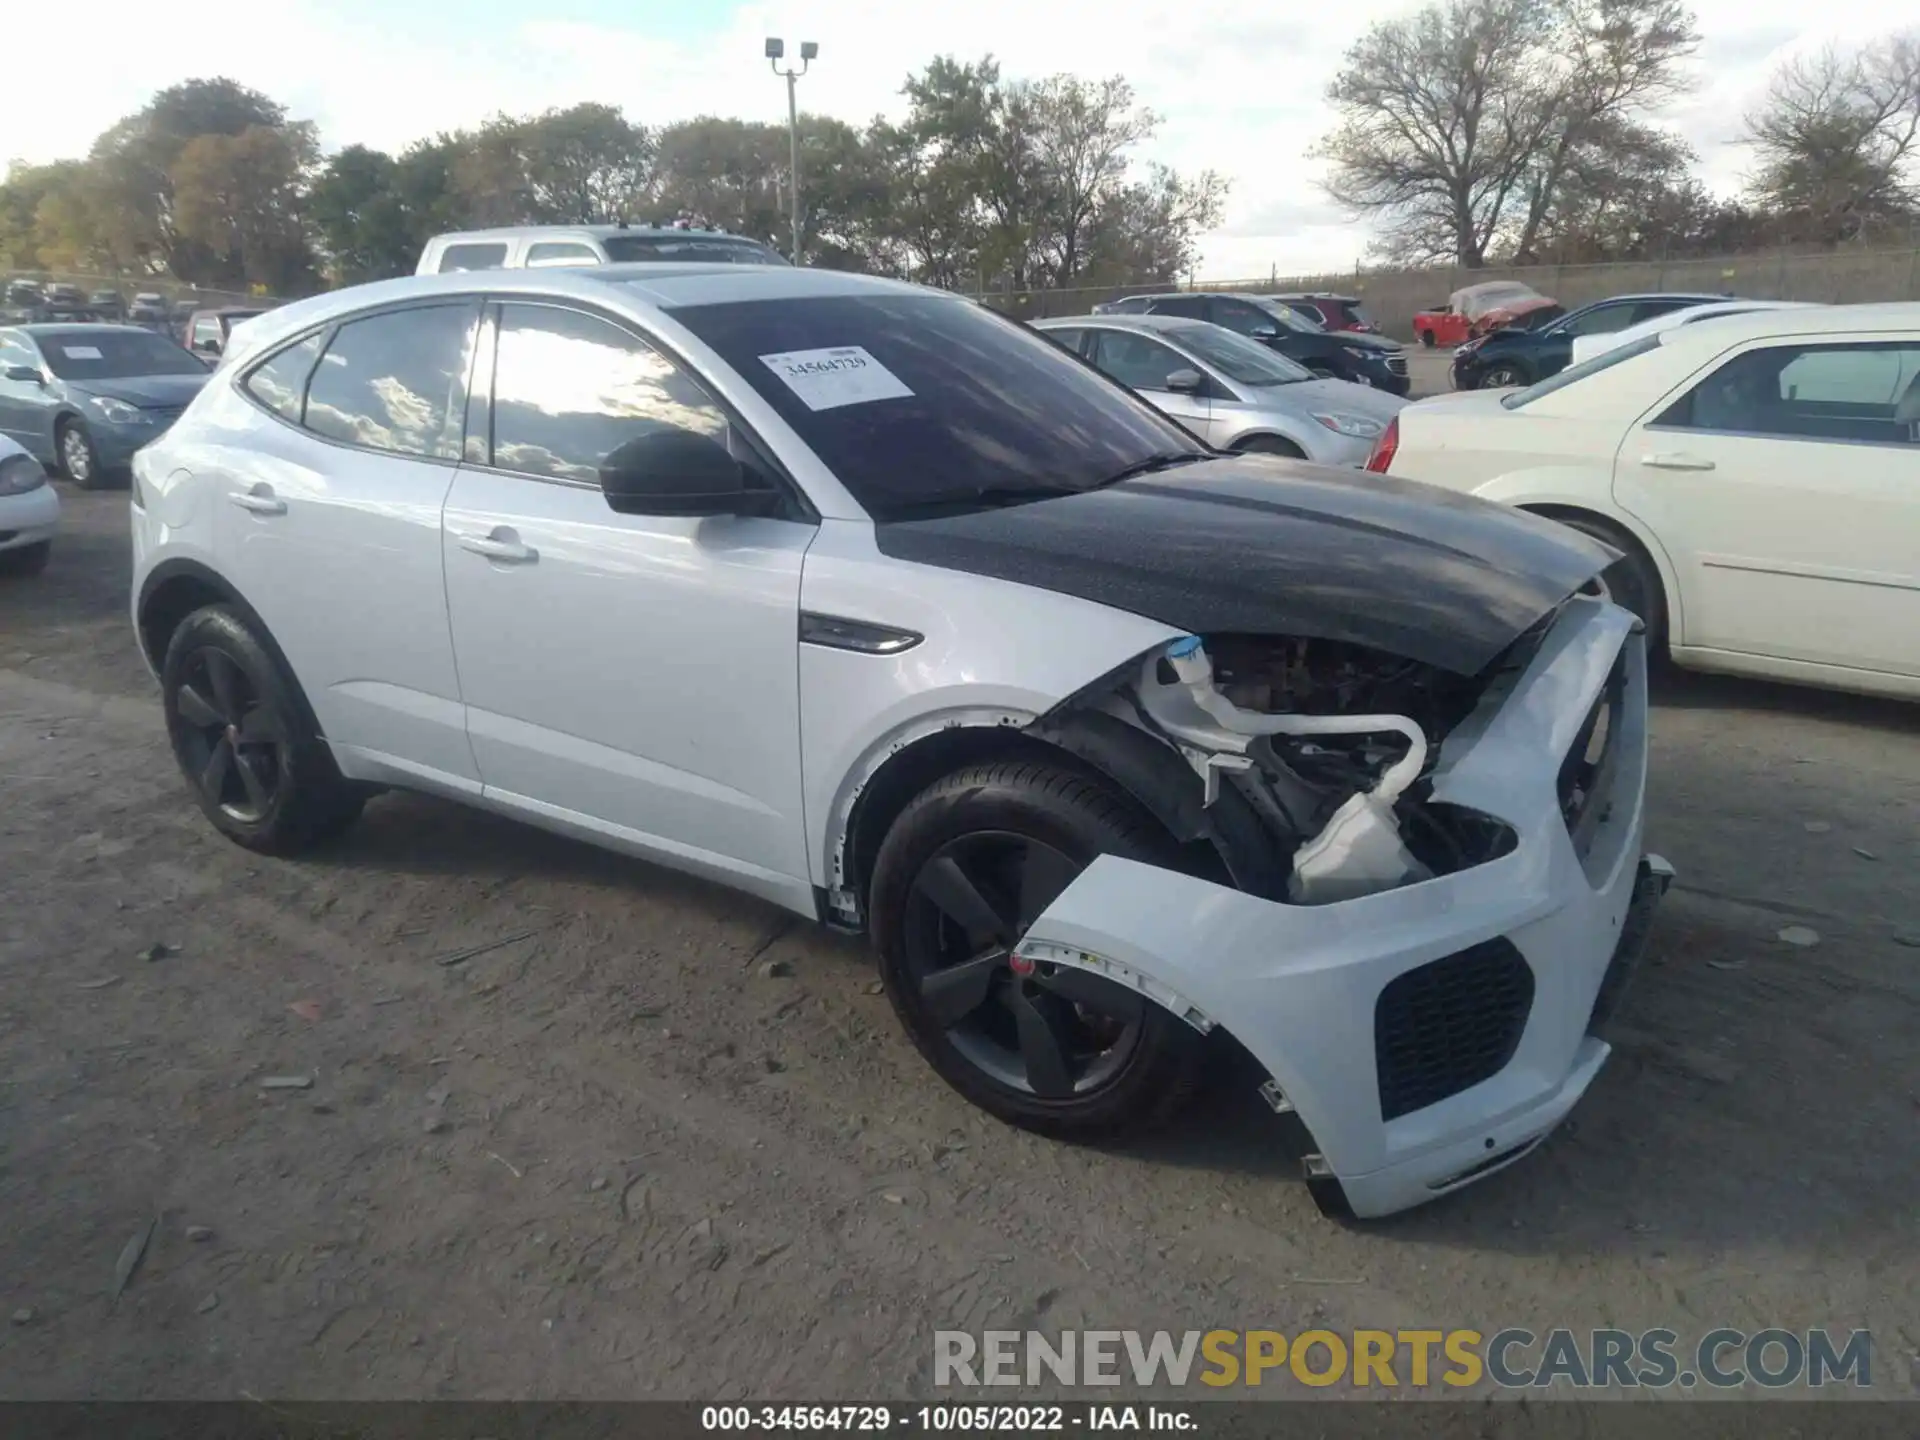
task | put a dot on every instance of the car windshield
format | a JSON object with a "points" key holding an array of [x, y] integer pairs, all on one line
{"points": [[114, 354], [726, 249], [1241, 360], [1606, 360], [921, 404]]}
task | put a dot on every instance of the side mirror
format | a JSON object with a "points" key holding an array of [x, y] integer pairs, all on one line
{"points": [[1186, 382], [25, 374], [678, 472], [1264, 332]]}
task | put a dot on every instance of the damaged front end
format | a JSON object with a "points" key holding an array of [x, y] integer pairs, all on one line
{"points": [[1407, 892]]}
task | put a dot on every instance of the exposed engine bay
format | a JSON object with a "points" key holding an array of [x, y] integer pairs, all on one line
{"points": [[1316, 750]]}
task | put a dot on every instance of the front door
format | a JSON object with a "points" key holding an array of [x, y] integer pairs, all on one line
{"points": [[1785, 484], [633, 675], [1143, 364]]}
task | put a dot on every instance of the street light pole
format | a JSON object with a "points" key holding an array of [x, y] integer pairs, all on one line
{"points": [[776, 50]]}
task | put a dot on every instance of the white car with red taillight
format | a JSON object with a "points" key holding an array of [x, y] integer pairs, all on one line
{"points": [[29, 512], [1758, 473]]}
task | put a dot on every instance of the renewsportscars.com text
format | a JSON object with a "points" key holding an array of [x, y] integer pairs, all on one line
{"points": [[1406, 1359]]}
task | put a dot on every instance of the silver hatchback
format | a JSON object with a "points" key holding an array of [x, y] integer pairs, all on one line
{"points": [[1231, 392]]}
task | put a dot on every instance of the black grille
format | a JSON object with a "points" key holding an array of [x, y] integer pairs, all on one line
{"points": [[1449, 1025], [1397, 364], [1587, 769]]}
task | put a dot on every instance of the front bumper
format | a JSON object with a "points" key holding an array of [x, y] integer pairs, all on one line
{"points": [[30, 518], [1302, 987]]}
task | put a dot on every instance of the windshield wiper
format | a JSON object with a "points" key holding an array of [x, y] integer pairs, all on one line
{"points": [[1153, 463]]}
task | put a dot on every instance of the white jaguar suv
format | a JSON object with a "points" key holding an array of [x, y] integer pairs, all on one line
{"points": [[863, 599]]}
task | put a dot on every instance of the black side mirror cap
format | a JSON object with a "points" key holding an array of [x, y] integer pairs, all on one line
{"points": [[25, 375], [680, 472]]}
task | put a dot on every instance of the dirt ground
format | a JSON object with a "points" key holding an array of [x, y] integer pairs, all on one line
{"points": [[617, 1157]]}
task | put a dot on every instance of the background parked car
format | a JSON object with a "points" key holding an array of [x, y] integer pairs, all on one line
{"points": [[537, 247], [1231, 392], [85, 397], [107, 305], [1757, 473], [1515, 356], [1476, 309], [207, 331], [1585, 347], [1333, 312], [63, 302], [1363, 359], [29, 511], [152, 310]]}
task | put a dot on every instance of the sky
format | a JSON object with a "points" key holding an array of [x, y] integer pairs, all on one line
{"points": [[1239, 83]]}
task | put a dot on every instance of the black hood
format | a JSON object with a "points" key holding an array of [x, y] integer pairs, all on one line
{"points": [[1259, 545], [1359, 340]]}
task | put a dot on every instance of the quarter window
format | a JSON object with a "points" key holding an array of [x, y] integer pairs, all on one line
{"points": [[281, 383], [473, 257], [396, 381], [570, 388], [1602, 320], [1066, 339]]}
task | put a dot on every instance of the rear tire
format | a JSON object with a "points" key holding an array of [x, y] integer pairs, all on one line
{"points": [[27, 560], [255, 764], [1426, 338], [1015, 834]]}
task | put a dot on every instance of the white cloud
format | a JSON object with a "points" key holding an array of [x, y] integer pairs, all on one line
{"points": [[1240, 89]]}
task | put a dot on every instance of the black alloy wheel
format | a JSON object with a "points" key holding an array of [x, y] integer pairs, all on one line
{"points": [[1052, 1031], [230, 741], [1502, 376]]}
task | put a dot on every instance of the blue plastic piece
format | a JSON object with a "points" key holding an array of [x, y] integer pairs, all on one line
{"points": [[1183, 647]]}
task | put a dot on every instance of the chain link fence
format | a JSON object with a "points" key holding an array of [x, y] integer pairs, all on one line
{"points": [[1831, 277]]}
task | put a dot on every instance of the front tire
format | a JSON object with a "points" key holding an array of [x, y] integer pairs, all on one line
{"points": [[254, 763], [1502, 376], [960, 877], [1426, 338], [79, 460]]}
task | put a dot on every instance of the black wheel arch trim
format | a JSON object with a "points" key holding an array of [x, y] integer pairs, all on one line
{"points": [[181, 568]]}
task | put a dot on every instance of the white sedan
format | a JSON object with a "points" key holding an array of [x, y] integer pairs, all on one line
{"points": [[1760, 475], [29, 512], [1585, 347]]}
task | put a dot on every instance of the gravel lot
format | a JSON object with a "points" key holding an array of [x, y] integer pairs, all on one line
{"points": [[667, 1142]]}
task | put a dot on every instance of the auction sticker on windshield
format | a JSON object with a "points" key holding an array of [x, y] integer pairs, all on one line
{"points": [[82, 352], [843, 375]]}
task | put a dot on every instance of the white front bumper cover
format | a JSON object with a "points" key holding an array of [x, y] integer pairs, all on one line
{"points": [[1299, 985]]}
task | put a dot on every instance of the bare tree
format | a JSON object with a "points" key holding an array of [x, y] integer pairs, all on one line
{"points": [[1837, 139], [1460, 124]]}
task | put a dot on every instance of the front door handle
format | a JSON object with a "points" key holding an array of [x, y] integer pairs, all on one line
{"points": [[1667, 460], [501, 544], [260, 500]]}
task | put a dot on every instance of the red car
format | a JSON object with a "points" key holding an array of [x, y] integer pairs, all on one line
{"points": [[1477, 310], [1331, 312]]}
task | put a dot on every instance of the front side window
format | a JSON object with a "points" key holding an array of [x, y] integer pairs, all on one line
{"points": [[570, 388], [1243, 361], [1601, 320], [560, 252], [280, 383], [1242, 318], [396, 381], [1863, 392], [922, 403], [15, 351], [487, 256], [110, 353], [1135, 361]]}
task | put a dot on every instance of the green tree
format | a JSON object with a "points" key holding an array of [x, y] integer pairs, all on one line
{"points": [[239, 199]]}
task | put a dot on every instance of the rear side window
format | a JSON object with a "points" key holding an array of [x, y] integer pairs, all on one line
{"points": [[281, 383], [473, 257], [569, 389], [396, 381], [560, 252]]}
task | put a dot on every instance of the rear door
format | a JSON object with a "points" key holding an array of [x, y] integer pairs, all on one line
{"points": [[1785, 485], [329, 524], [1143, 364]]}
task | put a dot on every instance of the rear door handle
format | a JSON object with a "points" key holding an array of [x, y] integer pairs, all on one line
{"points": [[260, 500], [1667, 460], [501, 544]]}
